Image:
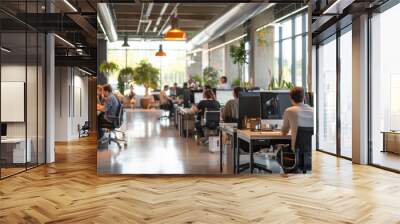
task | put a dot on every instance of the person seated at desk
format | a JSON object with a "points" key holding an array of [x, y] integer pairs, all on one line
{"points": [[131, 97], [166, 102], [186, 95], [208, 103], [298, 115], [108, 110], [230, 112], [223, 83]]}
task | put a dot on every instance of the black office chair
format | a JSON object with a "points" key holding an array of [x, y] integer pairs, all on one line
{"points": [[211, 124], [84, 129], [300, 160], [113, 128]]}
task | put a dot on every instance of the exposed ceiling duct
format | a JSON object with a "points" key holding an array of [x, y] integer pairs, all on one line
{"points": [[236, 16], [107, 21]]}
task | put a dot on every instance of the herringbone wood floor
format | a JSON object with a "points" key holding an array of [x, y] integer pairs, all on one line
{"points": [[70, 191]]}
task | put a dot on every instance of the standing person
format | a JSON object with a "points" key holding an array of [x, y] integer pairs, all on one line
{"points": [[230, 112], [209, 103], [109, 110], [298, 115], [223, 83]]}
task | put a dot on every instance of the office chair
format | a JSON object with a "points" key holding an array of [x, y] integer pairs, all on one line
{"points": [[84, 129], [300, 160], [211, 123], [113, 128], [165, 109]]}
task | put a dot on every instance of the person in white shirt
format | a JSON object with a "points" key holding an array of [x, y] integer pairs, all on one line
{"points": [[298, 115], [223, 83]]}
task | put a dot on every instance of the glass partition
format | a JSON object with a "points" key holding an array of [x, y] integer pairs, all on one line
{"points": [[22, 89]]}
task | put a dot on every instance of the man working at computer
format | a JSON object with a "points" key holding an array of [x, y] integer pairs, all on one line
{"points": [[109, 109], [298, 115], [230, 112]]}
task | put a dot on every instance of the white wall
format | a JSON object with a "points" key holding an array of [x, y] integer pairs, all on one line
{"points": [[71, 102]]}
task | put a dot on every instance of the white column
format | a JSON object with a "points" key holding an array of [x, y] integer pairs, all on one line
{"points": [[50, 98], [360, 90]]}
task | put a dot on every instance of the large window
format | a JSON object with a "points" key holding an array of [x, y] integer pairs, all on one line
{"points": [[327, 96], [385, 88], [290, 49], [172, 66], [346, 93]]}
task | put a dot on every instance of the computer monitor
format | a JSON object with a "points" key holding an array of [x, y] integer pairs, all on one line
{"points": [[274, 104], [249, 107], [3, 130], [198, 96], [223, 96]]}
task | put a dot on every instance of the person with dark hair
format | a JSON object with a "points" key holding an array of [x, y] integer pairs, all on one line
{"points": [[108, 110], [230, 112], [207, 104], [186, 94], [223, 83], [298, 115]]}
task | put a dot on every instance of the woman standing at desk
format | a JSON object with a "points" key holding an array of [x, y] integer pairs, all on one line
{"points": [[209, 103]]}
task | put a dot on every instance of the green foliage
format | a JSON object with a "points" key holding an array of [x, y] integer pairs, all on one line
{"points": [[121, 85], [236, 82], [238, 54], [198, 79], [210, 77], [239, 57], [279, 84], [108, 67], [125, 75], [147, 75]]}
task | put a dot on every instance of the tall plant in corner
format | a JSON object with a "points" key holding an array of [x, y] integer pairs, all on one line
{"points": [[147, 75], [108, 68], [239, 57]]}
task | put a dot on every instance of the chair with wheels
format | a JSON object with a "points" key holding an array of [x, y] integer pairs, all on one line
{"points": [[299, 160], [114, 127]]}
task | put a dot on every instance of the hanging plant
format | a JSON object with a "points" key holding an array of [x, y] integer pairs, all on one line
{"points": [[108, 68], [262, 37]]}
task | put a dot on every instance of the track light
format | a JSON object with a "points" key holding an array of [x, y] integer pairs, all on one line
{"points": [[5, 50]]}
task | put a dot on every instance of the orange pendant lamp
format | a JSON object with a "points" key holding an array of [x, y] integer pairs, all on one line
{"points": [[175, 33], [160, 52]]}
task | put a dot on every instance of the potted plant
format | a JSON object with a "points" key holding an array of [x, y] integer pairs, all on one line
{"points": [[198, 79], [148, 76], [125, 75], [279, 84], [108, 68], [210, 77], [239, 56]]}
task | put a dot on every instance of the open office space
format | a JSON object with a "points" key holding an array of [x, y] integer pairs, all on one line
{"points": [[189, 112]]}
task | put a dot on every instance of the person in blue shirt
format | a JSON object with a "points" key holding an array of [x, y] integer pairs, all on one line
{"points": [[108, 110]]}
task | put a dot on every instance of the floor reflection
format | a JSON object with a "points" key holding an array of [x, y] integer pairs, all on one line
{"points": [[154, 147]]}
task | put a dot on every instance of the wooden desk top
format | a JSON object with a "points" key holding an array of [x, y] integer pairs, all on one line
{"points": [[255, 135]]}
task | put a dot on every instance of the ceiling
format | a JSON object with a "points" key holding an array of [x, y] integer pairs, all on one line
{"points": [[150, 19]]}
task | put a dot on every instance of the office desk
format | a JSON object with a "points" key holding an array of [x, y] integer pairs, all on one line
{"points": [[13, 150], [257, 138], [186, 121], [230, 130]]}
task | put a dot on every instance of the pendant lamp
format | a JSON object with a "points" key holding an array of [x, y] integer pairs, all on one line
{"points": [[175, 33], [160, 52], [126, 44]]}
